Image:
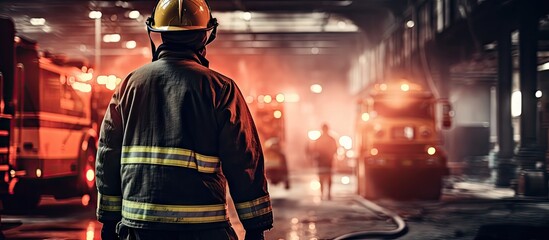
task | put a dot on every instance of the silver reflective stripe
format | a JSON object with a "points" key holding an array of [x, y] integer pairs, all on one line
{"points": [[174, 213], [254, 208], [175, 157], [109, 203]]}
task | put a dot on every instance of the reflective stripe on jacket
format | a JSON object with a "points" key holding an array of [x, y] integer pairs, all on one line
{"points": [[174, 135]]}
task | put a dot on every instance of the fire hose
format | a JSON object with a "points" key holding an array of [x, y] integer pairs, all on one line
{"points": [[400, 230]]}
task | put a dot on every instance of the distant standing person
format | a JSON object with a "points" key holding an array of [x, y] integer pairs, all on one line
{"points": [[324, 149]]}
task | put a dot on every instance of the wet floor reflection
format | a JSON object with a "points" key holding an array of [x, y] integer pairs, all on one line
{"points": [[299, 212]]}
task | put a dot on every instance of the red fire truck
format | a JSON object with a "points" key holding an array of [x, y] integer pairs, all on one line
{"points": [[47, 144], [399, 142], [268, 113]]}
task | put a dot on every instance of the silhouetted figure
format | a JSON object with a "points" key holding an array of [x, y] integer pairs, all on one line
{"points": [[323, 150]]}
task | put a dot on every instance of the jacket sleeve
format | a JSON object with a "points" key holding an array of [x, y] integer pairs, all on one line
{"points": [[242, 161], [107, 165]]}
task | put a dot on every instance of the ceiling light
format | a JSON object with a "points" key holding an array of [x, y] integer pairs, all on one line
{"points": [[544, 67], [95, 14], [410, 24], [131, 44], [316, 88], [37, 21], [134, 14], [111, 38], [315, 50], [247, 16]]}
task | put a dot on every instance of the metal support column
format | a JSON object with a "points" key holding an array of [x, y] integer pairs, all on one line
{"points": [[506, 166], [529, 152], [532, 179]]}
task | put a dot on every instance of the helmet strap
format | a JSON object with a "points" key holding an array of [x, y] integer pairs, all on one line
{"points": [[153, 47], [213, 34]]}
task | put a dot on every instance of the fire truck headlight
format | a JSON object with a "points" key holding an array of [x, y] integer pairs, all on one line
{"points": [[38, 172], [431, 151], [365, 117], [90, 175], [374, 151], [405, 87], [345, 180]]}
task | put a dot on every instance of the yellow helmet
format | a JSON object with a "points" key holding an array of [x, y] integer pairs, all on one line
{"points": [[181, 15]]}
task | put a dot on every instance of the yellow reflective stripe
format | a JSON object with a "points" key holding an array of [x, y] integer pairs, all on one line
{"points": [[254, 208], [110, 208], [165, 150], [167, 162], [174, 219], [158, 161], [109, 203], [177, 157], [256, 213], [174, 208], [174, 213], [110, 198], [253, 202]]}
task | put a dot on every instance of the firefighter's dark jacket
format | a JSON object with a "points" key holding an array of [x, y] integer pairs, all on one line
{"points": [[174, 134]]}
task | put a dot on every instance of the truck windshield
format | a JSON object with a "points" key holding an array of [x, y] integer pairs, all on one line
{"points": [[410, 108]]}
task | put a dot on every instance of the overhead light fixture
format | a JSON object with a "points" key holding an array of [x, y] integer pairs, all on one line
{"points": [[131, 44], [316, 88], [247, 16], [134, 14], [37, 21], [109, 38], [95, 14], [410, 24], [544, 67]]}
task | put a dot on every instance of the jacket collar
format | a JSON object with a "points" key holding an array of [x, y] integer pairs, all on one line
{"points": [[168, 52]]}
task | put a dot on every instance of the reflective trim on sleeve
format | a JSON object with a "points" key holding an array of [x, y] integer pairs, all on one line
{"points": [[175, 157], [174, 213], [254, 208], [109, 203]]}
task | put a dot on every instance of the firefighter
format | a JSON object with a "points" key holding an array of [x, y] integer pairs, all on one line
{"points": [[323, 151], [175, 133]]}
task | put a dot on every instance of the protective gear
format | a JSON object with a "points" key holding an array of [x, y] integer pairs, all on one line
{"points": [[168, 169], [172, 15], [182, 16]]}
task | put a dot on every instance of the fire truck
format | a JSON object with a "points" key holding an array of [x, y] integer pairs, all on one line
{"points": [[268, 113], [399, 142], [47, 144]]}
